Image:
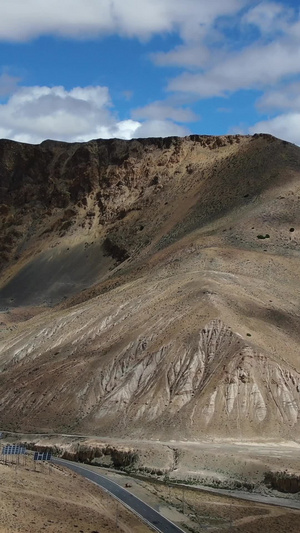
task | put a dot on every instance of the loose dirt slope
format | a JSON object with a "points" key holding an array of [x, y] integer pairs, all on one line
{"points": [[57, 501], [188, 250]]}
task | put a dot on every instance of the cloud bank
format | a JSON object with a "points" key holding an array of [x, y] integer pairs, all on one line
{"points": [[21, 21], [33, 114]]}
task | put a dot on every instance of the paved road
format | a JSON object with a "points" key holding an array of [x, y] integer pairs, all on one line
{"points": [[142, 509]]}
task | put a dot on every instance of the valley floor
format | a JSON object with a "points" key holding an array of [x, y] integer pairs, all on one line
{"points": [[196, 511], [53, 499]]}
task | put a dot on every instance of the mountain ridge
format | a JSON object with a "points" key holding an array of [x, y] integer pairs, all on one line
{"points": [[117, 267]]}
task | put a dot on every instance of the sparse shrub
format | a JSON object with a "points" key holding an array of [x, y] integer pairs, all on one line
{"points": [[266, 236]]}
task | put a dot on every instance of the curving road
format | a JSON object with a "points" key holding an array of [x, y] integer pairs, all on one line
{"points": [[149, 515]]}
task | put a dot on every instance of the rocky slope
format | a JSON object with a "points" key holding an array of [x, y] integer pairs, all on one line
{"points": [[150, 287]]}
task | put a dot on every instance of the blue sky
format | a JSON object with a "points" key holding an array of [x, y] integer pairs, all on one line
{"points": [[79, 69]]}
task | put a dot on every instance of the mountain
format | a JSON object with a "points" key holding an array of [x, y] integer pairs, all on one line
{"points": [[150, 288]]}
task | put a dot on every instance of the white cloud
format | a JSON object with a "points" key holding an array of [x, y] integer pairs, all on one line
{"points": [[21, 21], [188, 56], [284, 98], [128, 95], [160, 128], [255, 67], [124, 129], [8, 84], [160, 110], [33, 114], [285, 126], [268, 16]]}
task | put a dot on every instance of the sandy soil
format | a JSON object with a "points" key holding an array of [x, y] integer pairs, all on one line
{"points": [[55, 500]]}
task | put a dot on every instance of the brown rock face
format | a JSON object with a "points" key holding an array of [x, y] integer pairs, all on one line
{"points": [[138, 296]]}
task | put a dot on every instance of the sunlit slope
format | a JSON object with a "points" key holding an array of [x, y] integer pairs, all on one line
{"points": [[70, 213], [190, 326]]}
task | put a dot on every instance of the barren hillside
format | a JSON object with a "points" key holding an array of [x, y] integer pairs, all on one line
{"points": [[49, 498], [151, 287]]}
